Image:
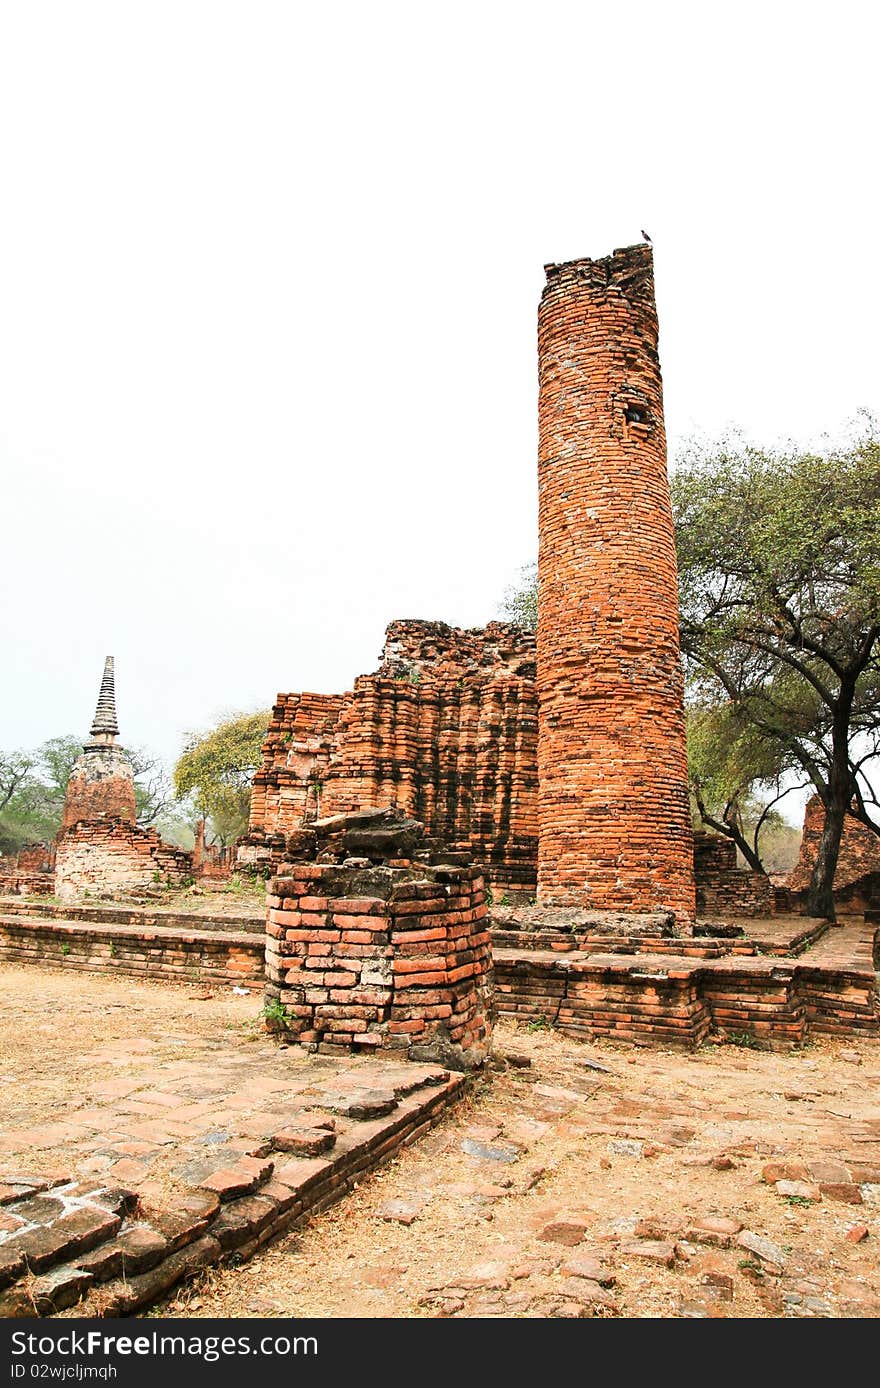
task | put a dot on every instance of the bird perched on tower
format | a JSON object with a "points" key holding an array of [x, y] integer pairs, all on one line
{"points": [[646, 237]]}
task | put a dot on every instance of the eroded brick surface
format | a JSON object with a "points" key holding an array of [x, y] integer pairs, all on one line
{"points": [[615, 828], [382, 958], [445, 731], [857, 876]]}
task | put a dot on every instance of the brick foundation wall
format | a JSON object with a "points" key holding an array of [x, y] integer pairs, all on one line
{"points": [[725, 888], [614, 821], [445, 731], [382, 958], [105, 857], [142, 917], [205, 957]]}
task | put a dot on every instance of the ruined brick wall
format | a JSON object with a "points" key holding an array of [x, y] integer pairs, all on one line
{"points": [[29, 872], [101, 786], [725, 888], [35, 857], [857, 878], [446, 731], [682, 1003], [614, 822], [382, 958], [110, 856], [299, 743]]}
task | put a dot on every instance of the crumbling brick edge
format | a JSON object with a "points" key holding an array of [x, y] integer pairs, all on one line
{"points": [[232, 1230]]}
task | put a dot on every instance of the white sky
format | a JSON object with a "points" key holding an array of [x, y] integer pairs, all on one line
{"points": [[269, 277]]}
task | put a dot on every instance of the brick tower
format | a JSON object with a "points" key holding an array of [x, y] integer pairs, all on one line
{"points": [[101, 784], [615, 831]]}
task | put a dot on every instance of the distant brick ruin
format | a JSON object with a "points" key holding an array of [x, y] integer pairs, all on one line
{"points": [[444, 731], [857, 876], [100, 849], [30, 871], [615, 828]]}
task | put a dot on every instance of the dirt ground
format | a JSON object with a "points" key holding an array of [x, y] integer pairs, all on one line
{"points": [[594, 1179]]}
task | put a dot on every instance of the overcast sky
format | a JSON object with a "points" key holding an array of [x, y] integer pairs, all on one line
{"points": [[269, 277]]}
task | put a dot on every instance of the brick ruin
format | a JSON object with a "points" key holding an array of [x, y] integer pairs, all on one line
{"points": [[445, 731], [857, 876], [615, 826], [472, 780], [30, 871], [374, 943], [100, 849], [723, 887]]}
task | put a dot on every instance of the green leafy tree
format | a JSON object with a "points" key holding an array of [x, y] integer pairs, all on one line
{"points": [[27, 809], [779, 589], [216, 770], [520, 602], [736, 777]]}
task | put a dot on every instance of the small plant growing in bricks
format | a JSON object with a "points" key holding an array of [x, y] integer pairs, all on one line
{"points": [[65, 949], [799, 1200], [745, 1039], [112, 949], [274, 1015], [538, 1024]]}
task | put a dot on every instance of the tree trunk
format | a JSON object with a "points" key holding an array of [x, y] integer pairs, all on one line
{"points": [[820, 893], [730, 830]]}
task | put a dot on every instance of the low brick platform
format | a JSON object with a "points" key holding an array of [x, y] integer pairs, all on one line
{"points": [[680, 1000], [27, 883], [176, 956], [645, 988], [568, 931], [252, 923], [177, 1168]]}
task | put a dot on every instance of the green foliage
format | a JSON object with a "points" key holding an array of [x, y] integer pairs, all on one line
{"points": [[30, 803], [275, 1015], [779, 590], [217, 768], [730, 762], [520, 602]]}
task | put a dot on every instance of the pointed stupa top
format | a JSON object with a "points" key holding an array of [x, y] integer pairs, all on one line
{"points": [[105, 725]]}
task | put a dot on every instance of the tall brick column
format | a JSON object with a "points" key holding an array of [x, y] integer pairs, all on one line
{"points": [[615, 830]]}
